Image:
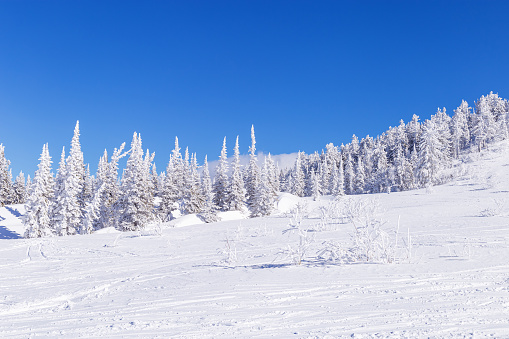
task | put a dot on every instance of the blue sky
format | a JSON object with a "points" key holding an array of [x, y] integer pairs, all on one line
{"points": [[305, 73]]}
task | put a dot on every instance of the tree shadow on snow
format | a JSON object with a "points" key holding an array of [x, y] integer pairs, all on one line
{"points": [[5, 233], [13, 211]]}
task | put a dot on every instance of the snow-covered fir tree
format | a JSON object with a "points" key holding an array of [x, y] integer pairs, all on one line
{"points": [[349, 175], [272, 175], [298, 179], [252, 175], [107, 184], [6, 189], [194, 198], [135, 205], [460, 131], [76, 168], [37, 217], [221, 184], [209, 210], [337, 179], [174, 184], [484, 124], [20, 192], [59, 206], [360, 177], [380, 170], [92, 212], [429, 155], [315, 185], [70, 190], [265, 196], [236, 192]]}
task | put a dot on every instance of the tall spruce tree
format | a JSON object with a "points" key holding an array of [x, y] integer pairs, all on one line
{"points": [[6, 189], [236, 192], [252, 174], [135, 204], [298, 179], [221, 182], [20, 192], [37, 217], [209, 210]]}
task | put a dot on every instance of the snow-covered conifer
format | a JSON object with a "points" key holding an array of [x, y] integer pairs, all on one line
{"points": [[236, 192], [429, 155], [381, 166], [6, 189], [107, 177], [460, 130], [193, 198], [37, 217], [298, 183], [173, 185], [93, 211], [221, 184], [315, 185], [252, 176], [76, 167], [20, 192], [484, 124], [209, 211], [337, 179], [349, 175], [265, 196], [135, 203], [360, 177]]}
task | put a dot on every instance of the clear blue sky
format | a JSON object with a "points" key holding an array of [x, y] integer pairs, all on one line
{"points": [[305, 73]]}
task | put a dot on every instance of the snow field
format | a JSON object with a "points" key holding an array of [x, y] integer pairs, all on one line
{"points": [[230, 279]]}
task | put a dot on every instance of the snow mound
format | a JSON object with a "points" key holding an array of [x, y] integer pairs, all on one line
{"points": [[286, 202], [186, 220], [107, 230], [232, 215]]}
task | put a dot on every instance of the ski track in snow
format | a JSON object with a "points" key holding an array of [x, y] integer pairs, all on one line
{"points": [[175, 285]]}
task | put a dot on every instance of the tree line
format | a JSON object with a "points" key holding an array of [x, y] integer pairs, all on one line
{"points": [[404, 157]]}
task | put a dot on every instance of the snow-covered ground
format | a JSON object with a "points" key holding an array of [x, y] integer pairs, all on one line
{"points": [[230, 279]]}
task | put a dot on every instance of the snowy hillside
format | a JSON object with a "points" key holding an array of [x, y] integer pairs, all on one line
{"points": [[240, 277]]}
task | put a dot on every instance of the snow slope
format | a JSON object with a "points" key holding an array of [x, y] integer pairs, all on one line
{"points": [[229, 279]]}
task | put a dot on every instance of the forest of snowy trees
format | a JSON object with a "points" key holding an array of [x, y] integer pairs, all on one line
{"points": [[409, 156]]}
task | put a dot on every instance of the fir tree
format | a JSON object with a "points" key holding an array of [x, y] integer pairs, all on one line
{"points": [[349, 175], [337, 179], [37, 217], [252, 173], [76, 167], [107, 184], [209, 210], [6, 189], [460, 130], [298, 183], [194, 196], [135, 203], [429, 155], [360, 177], [236, 192], [93, 211], [315, 185], [20, 192], [265, 197], [173, 185], [221, 184]]}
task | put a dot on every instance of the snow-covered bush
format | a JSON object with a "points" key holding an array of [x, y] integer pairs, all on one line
{"points": [[495, 209], [297, 252], [330, 215], [229, 252]]}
